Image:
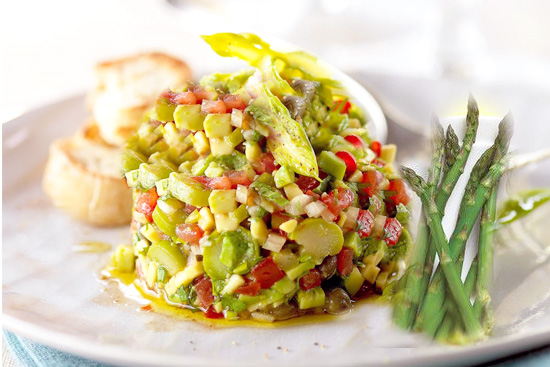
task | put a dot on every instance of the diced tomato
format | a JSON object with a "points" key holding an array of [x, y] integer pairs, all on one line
{"points": [[210, 313], [373, 179], [232, 101], [402, 194], [375, 205], [237, 178], [213, 106], [201, 93], [356, 141], [344, 109], [350, 161], [203, 288], [251, 289], [189, 232], [306, 183], [338, 200], [146, 203], [267, 273], [213, 183], [311, 280], [376, 147], [365, 223], [393, 231], [345, 261], [179, 97]]}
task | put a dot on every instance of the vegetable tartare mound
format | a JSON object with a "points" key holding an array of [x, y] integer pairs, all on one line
{"points": [[260, 194]]}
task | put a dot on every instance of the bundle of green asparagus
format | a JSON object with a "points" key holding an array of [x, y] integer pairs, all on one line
{"points": [[437, 301]]}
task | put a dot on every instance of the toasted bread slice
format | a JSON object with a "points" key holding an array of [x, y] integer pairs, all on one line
{"points": [[127, 88], [83, 178]]}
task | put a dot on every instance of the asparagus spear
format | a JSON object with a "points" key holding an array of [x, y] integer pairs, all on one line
{"points": [[452, 274], [452, 148], [448, 184], [419, 269], [469, 211]]}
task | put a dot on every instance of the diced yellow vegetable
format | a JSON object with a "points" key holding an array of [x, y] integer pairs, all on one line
{"points": [[200, 143], [222, 201], [194, 217], [217, 125], [356, 176], [292, 190], [206, 221], [220, 146], [123, 258], [184, 277], [289, 226], [370, 272], [151, 274], [387, 153], [253, 152], [285, 259], [259, 230], [150, 233], [225, 222], [234, 282]]}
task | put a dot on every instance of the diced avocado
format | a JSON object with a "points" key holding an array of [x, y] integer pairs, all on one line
{"points": [[164, 111], [222, 201], [285, 286], [331, 164], [283, 177], [240, 214], [217, 125], [286, 260], [300, 270], [131, 160], [169, 255], [214, 170], [211, 259], [311, 298], [149, 174], [123, 258], [236, 137], [189, 117], [232, 249], [188, 190], [354, 281], [353, 241], [319, 238]]}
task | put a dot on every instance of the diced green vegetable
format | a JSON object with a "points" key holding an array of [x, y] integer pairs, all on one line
{"points": [[270, 193], [331, 164], [222, 201], [353, 241], [217, 125], [188, 190], [283, 177], [149, 174], [164, 111], [311, 298], [189, 117], [169, 255]]}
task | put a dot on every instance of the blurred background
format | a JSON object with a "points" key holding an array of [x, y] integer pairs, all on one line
{"points": [[416, 57]]}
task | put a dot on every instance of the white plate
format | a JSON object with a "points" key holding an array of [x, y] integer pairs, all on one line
{"points": [[51, 294]]}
